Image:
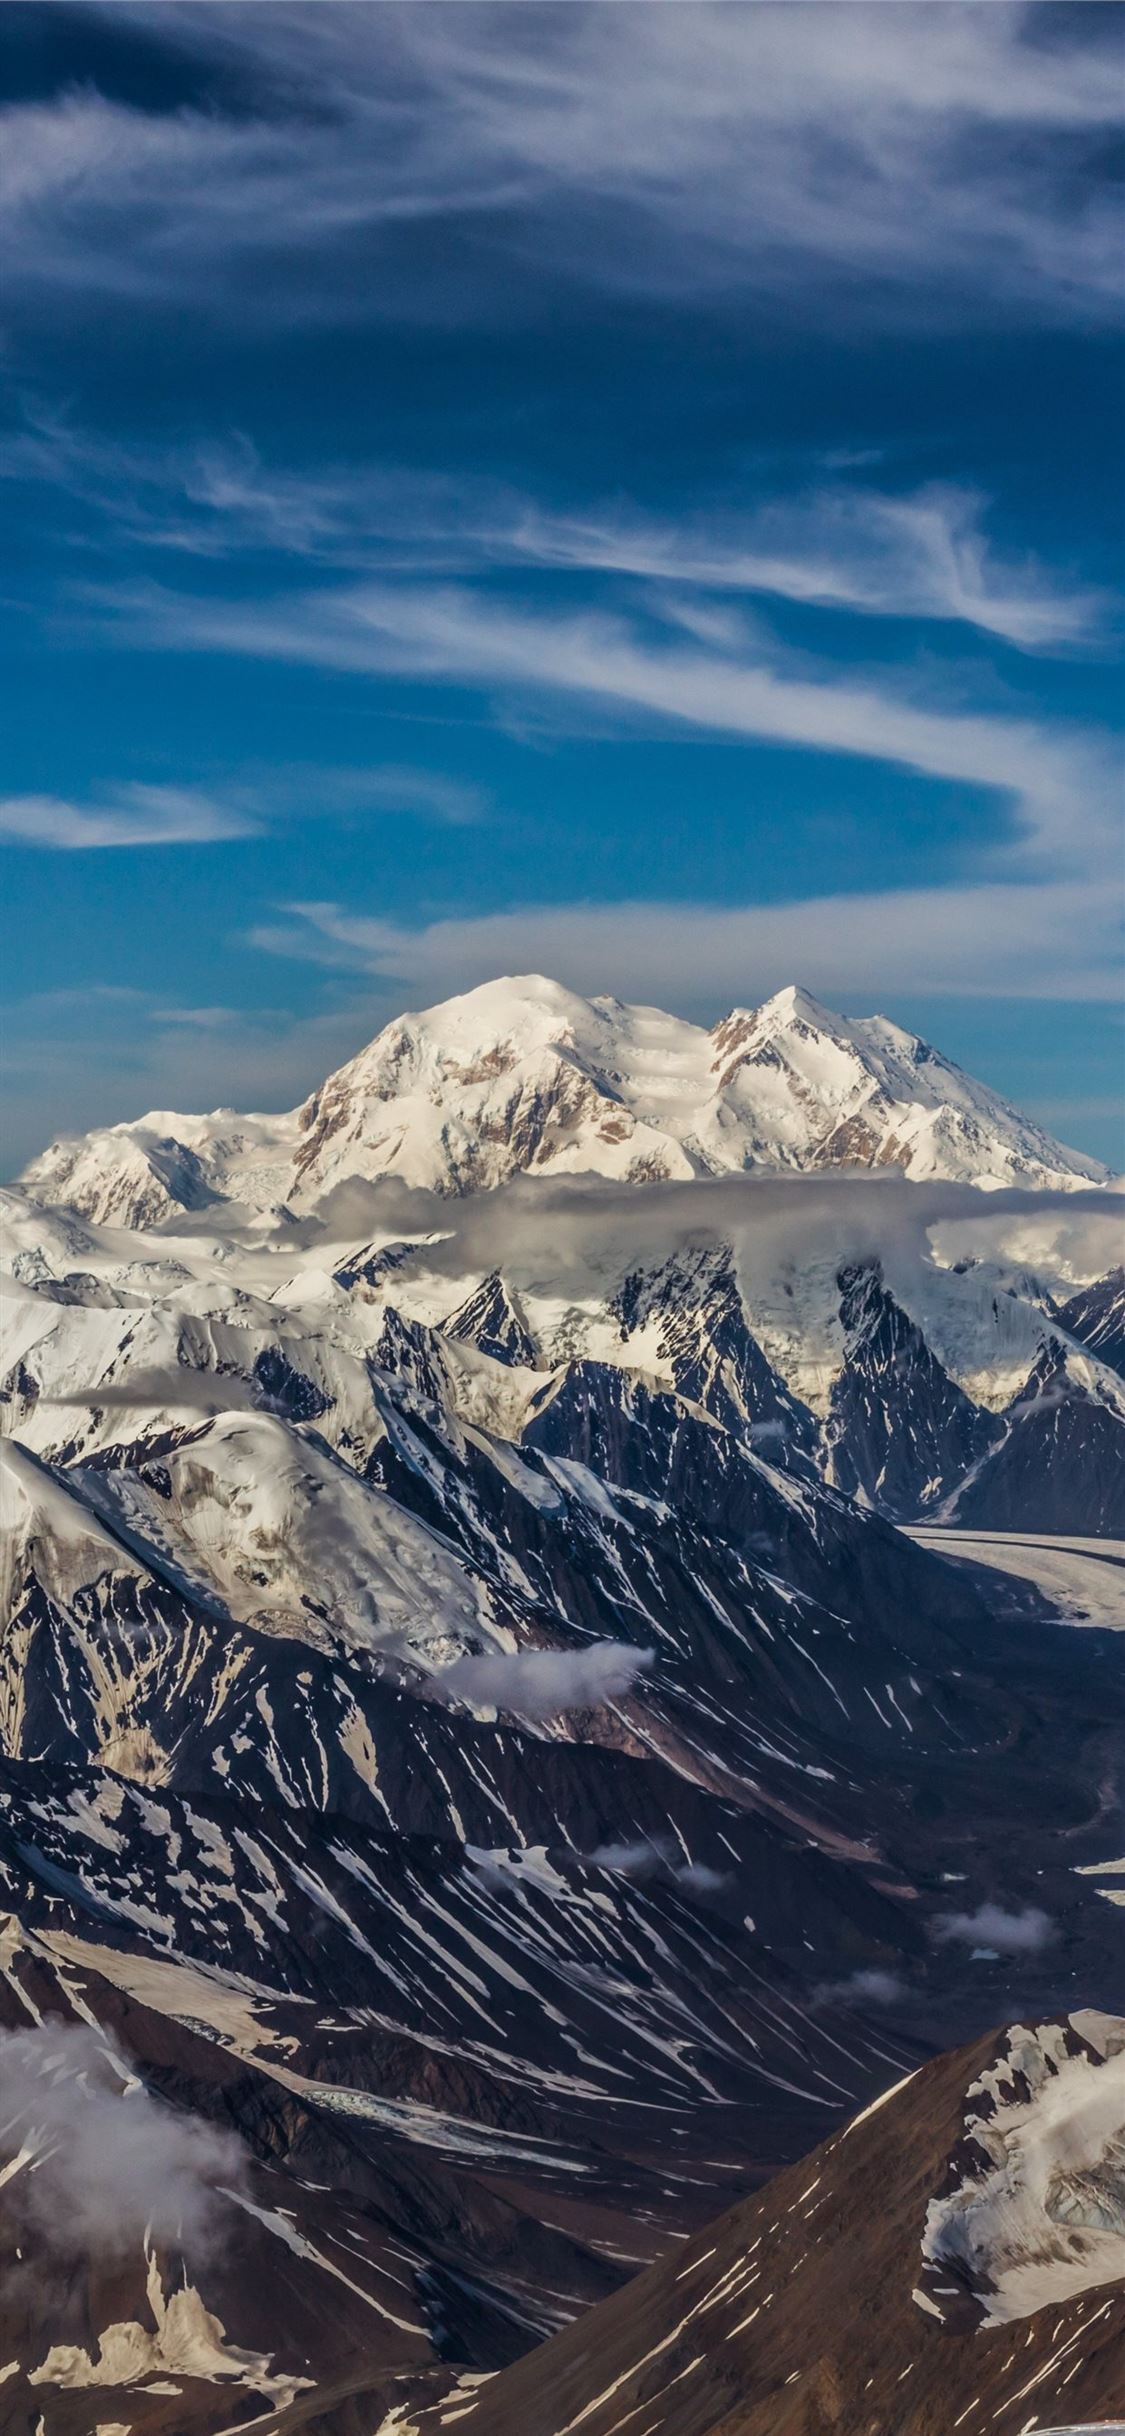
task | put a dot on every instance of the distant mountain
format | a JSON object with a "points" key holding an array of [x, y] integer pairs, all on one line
{"points": [[895, 1384], [525, 1075], [954, 2259]]}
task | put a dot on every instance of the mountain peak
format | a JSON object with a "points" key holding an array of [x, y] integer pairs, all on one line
{"points": [[511, 998], [795, 1004]]}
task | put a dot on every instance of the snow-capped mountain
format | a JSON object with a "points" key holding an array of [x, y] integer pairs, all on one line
{"points": [[850, 1334], [523, 1075], [471, 1729]]}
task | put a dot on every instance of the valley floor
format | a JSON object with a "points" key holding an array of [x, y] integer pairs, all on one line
{"points": [[1083, 1578]]}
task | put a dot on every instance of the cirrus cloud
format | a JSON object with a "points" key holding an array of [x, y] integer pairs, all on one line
{"points": [[903, 154], [133, 815], [920, 555], [911, 554], [1062, 786]]}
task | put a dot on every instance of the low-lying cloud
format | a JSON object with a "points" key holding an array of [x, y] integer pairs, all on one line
{"points": [[991, 1927], [643, 1858], [544, 1226], [172, 1388], [659, 1857], [110, 2163], [542, 1683], [861, 1988]]}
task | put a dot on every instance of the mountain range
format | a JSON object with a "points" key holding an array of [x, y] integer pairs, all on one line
{"points": [[475, 1173], [523, 1075], [516, 1716]]}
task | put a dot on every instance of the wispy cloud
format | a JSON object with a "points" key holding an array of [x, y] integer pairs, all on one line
{"points": [[133, 815], [1034, 911], [1059, 785], [919, 555], [138, 815], [398, 788], [685, 151], [215, 497], [1002, 939]]}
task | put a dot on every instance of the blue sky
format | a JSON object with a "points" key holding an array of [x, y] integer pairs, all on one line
{"points": [[625, 491]]}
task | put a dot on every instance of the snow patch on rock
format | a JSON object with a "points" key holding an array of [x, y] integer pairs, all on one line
{"points": [[1033, 2212]]}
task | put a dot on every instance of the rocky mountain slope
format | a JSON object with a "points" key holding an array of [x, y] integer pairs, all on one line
{"points": [[498, 1980], [955, 2258]]}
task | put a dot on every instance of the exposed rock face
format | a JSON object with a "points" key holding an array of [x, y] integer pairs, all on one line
{"points": [[1057, 1459], [900, 1434], [694, 1306], [490, 1318], [1095, 1317]]}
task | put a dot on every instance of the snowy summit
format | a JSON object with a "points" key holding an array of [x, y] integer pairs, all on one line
{"points": [[522, 1074]]}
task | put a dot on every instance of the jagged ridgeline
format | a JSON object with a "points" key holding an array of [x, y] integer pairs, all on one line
{"points": [[538, 1676]]}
